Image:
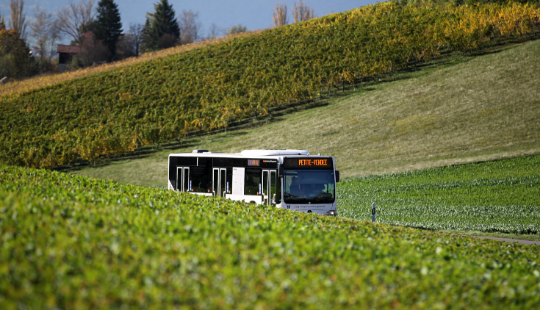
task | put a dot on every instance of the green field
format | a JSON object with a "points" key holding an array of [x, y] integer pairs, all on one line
{"points": [[445, 144], [74, 242], [498, 197]]}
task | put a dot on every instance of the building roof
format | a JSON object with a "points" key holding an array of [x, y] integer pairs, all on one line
{"points": [[70, 49]]}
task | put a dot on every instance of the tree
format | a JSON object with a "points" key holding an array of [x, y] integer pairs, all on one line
{"points": [[236, 29], [92, 51], [136, 30], [2, 23], [214, 31], [129, 44], [125, 47], [107, 26], [18, 18], [40, 30], [54, 36], [190, 28], [161, 29], [14, 55], [75, 19], [280, 15], [302, 12]]}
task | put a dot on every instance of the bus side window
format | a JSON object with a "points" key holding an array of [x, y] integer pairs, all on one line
{"points": [[228, 186], [278, 190], [201, 179], [252, 181]]}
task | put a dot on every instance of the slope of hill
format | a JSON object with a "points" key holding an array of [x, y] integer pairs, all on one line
{"points": [[481, 108], [73, 242], [151, 102]]}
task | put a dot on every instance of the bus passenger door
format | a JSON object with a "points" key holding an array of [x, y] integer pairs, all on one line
{"points": [[268, 186], [218, 181], [222, 180], [182, 179], [185, 180], [272, 187]]}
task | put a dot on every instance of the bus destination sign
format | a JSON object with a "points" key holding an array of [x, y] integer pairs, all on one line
{"points": [[308, 163], [312, 162], [254, 162]]}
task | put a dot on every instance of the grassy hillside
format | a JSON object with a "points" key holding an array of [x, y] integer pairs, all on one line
{"points": [[74, 242], [472, 109], [155, 101]]}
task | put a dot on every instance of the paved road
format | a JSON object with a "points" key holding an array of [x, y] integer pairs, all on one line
{"points": [[510, 240]]}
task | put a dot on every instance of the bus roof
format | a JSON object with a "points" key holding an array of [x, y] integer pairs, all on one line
{"points": [[246, 153]]}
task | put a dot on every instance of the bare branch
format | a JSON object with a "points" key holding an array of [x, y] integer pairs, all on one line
{"points": [[214, 31], [75, 17], [190, 28], [280, 15], [40, 30], [18, 18], [54, 36], [302, 12], [136, 30]]}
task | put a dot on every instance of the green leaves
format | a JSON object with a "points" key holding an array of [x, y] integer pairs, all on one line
{"points": [[502, 196], [68, 241]]}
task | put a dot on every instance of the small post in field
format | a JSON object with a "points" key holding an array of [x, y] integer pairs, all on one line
{"points": [[373, 211]]}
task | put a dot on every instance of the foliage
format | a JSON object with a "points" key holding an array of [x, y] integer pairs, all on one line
{"points": [[236, 29], [461, 2], [2, 23], [126, 46], [74, 242], [108, 26], [204, 89], [15, 57], [92, 50], [501, 196], [161, 29]]}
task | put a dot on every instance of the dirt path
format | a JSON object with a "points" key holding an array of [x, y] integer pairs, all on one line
{"points": [[528, 242]]}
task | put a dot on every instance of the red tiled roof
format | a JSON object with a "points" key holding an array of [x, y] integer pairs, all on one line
{"points": [[71, 49]]}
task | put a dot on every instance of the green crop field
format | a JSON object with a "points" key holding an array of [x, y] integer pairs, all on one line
{"points": [[74, 242], [500, 197]]}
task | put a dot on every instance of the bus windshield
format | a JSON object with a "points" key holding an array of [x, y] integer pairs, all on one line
{"points": [[309, 186]]}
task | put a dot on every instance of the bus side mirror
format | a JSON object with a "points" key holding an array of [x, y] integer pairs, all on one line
{"points": [[281, 171], [337, 176]]}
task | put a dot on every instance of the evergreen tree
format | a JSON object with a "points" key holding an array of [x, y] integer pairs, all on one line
{"points": [[107, 26], [161, 29]]}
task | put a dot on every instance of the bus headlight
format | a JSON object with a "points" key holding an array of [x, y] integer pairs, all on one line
{"points": [[331, 213]]}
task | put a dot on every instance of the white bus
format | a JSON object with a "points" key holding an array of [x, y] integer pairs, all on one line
{"points": [[288, 179]]}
